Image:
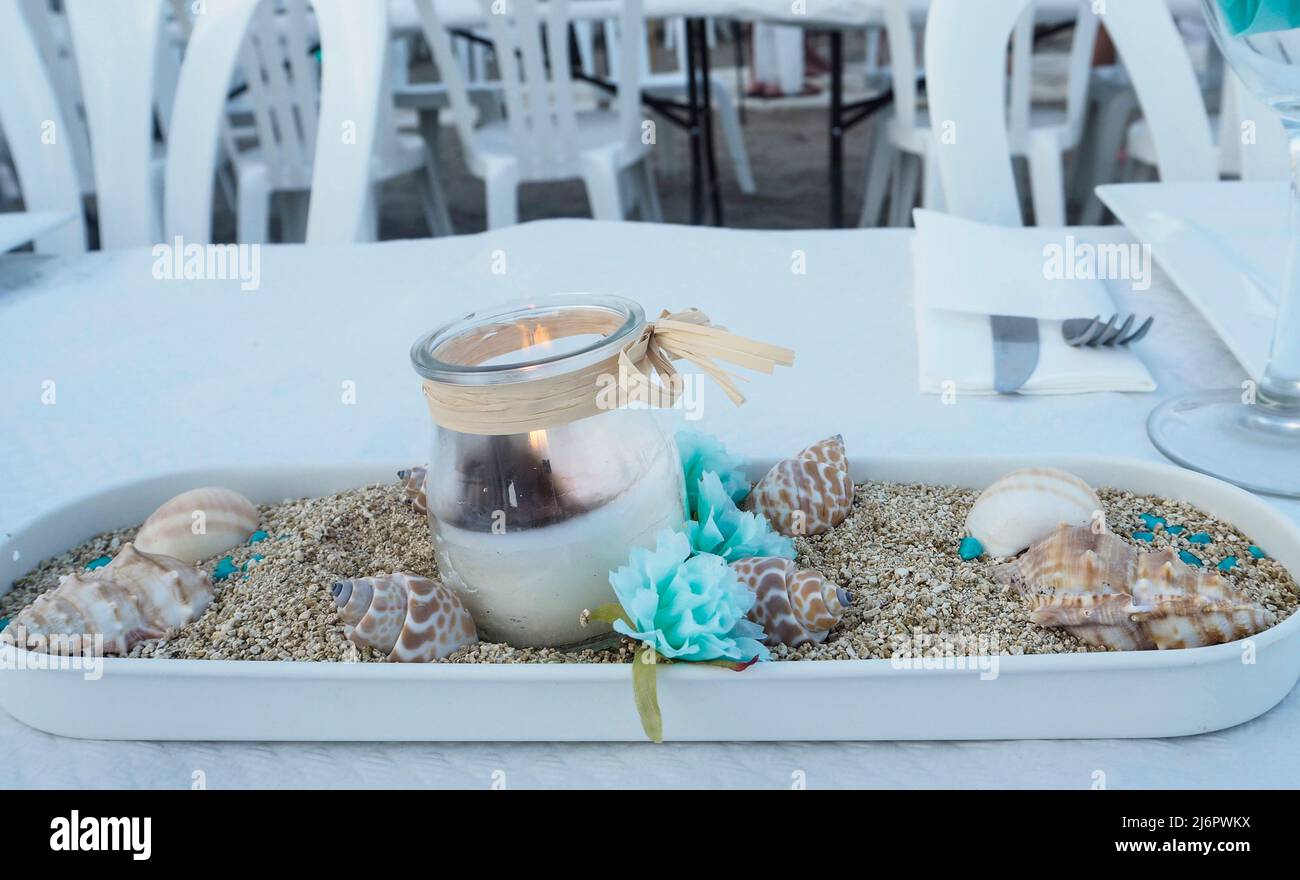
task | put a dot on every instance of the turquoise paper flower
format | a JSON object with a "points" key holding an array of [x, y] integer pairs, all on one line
{"points": [[722, 528], [703, 452], [686, 607]]}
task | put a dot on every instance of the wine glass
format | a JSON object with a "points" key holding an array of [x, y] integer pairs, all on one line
{"points": [[1251, 436]]}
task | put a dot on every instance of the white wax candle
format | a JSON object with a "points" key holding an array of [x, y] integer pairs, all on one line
{"points": [[528, 587]]}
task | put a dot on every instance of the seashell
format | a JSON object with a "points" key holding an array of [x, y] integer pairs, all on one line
{"points": [[412, 480], [1110, 593], [409, 618], [136, 596], [1026, 506], [795, 606], [198, 524], [807, 494]]}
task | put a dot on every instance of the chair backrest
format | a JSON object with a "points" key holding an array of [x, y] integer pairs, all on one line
{"points": [[49, 30], [116, 46], [966, 82], [328, 149], [282, 87], [36, 132], [901, 34], [531, 42]]}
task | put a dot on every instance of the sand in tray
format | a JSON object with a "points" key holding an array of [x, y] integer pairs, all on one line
{"points": [[896, 553]]}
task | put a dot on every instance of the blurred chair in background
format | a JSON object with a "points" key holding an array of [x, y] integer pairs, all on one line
{"points": [[543, 136]]}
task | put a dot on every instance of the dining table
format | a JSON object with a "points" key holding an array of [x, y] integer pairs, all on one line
{"points": [[113, 374]]}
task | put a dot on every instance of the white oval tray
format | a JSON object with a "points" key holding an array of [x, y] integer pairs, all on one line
{"points": [[1136, 694]]}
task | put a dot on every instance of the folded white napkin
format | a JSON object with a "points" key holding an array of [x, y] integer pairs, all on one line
{"points": [[966, 271]]}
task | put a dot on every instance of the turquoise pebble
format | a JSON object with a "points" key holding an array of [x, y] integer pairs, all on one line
{"points": [[98, 563], [257, 536], [225, 568], [970, 548], [1144, 536], [4, 621], [1200, 538], [1176, 530], [1256, 552], [1226, 563], [1153, 522], [253, 560], [286, 536], [1190, 558]]}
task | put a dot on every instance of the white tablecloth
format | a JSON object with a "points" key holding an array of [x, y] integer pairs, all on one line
{"points": [[154, 375]]}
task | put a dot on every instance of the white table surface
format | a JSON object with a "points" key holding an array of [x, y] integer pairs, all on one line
{"points": [[156, 375], [17, 228]]}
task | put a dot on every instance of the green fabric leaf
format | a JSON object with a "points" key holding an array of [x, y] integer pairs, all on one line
{"points": [[645, 692], [610, 613]]}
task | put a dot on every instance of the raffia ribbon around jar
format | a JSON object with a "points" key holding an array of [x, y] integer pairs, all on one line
{"points": [[609, 384]]}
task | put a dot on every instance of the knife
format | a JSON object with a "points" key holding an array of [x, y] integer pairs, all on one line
{"points": [[1015, 352]]}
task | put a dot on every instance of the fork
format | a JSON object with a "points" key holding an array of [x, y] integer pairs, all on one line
{"points": [[1094, 332]]}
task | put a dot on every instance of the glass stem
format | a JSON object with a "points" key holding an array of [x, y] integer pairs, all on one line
{"points": [[1280, 388]]}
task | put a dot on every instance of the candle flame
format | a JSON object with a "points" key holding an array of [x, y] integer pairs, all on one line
{"points": [[537, 442]]}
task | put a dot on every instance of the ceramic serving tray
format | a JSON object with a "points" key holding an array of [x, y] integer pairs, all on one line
{"points": [[1135, 694]]}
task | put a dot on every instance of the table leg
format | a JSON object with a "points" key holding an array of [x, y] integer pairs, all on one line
{"points": [[837, 130], [692, 99], [706, 93]]}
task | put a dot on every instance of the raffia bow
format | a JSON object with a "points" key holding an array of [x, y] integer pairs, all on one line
{"points": [[690, 336], [544, 403]]}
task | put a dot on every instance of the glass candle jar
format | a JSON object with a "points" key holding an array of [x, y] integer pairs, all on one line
{"points": [[528, 525]]}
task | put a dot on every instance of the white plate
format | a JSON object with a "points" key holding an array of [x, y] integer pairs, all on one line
{"points": [[1135, 694], [19, 227], [1223, 244]]}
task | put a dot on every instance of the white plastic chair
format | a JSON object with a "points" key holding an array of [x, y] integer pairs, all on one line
{"points": [[1266, 158], [49, 29], [966, 83], [116, 46], [1041, 135], [32, 121], [543, 137], [338, 154]]}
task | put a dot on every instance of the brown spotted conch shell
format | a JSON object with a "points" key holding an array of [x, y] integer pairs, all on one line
{"points": [[137, 596], [198, 524], [1026, 506], [807, 494], [411, 619], [794, 606], [1108, 592], [412, 480]]}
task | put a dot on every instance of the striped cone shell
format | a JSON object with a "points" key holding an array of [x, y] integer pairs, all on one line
{"points": [[793, 606], [409, 618], [807, 494]]}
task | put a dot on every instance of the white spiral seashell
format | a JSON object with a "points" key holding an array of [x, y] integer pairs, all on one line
{"points": [[198, 524], [1026, 506], [136, 596], [409, 618]]}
